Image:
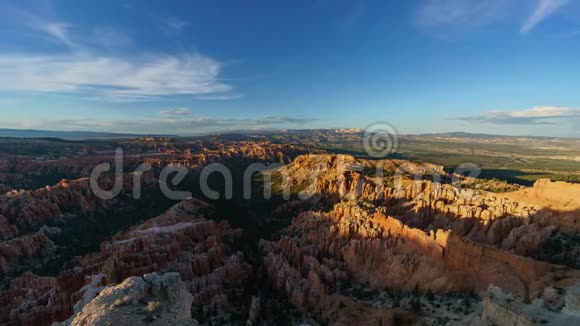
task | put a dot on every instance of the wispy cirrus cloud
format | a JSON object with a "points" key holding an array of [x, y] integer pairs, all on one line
{"points": [[113, 78], [65, 33], [58, 30], [176, 112], [54, 29], [175, 24], [220, 97], [283, 119], [543, 10], [90, 67], [185, 124], [110, 39], [433, 13], [473, 13], [536, 115]]}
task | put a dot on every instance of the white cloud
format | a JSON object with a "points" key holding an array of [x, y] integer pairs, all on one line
{"points": [[177, 125], [283, 119], [462, 13], [220, 97], [56, 30], [434, 13], [175, 24], [543, 10], [546, 112], [121, 79], [102, 36], [110, 39], [176, 112], [85, 71], [536, 115]]}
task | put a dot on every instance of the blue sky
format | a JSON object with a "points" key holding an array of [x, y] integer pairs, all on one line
{"points": [[187, 67]]}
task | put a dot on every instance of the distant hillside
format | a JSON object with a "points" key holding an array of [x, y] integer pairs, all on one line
{"points": [[484, 136], [72, 135], [463, 135], [239, 134]]}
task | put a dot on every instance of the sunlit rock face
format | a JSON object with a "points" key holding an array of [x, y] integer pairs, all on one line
{"points": [[357, 241], [518, 222], [417, 235]]}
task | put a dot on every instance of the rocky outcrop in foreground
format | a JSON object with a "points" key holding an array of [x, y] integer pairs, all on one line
{"points": [[152, 299]]}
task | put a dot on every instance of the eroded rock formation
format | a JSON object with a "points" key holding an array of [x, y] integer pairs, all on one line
{"points": [[519, 221], [415, 234], [182, 240], [357, 241], [386, 225], [23, 214]]}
